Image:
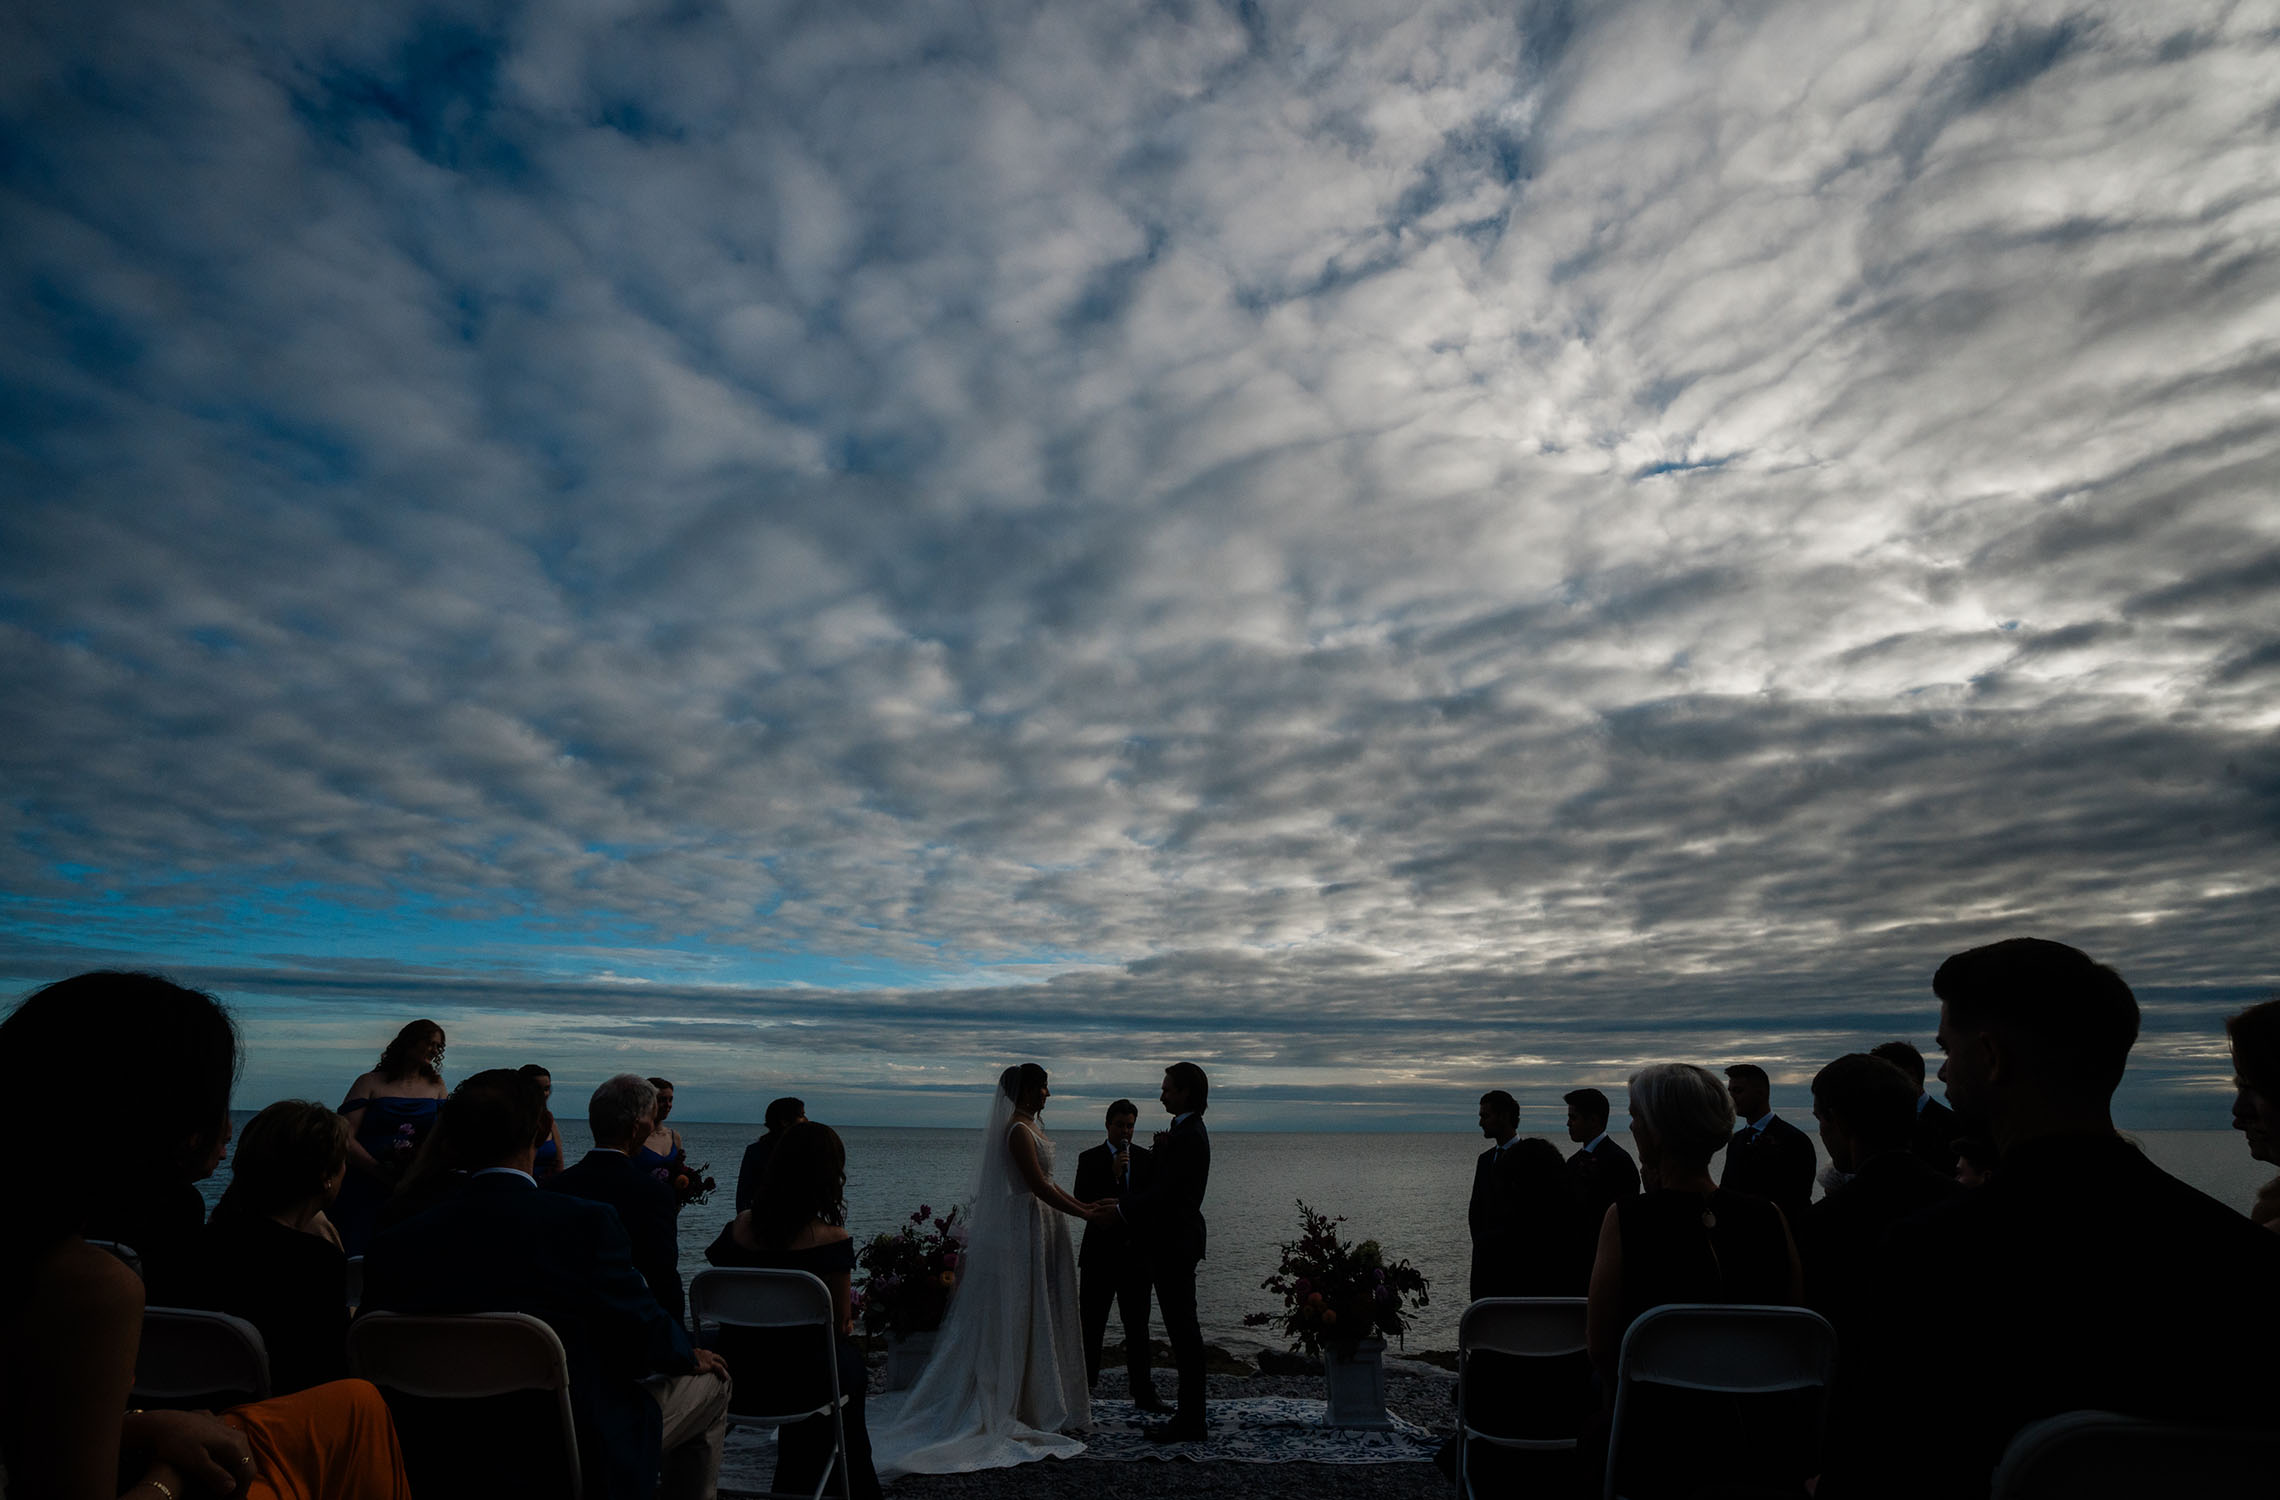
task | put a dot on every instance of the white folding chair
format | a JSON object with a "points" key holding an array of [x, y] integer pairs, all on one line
{"points": [[467, 1357], [1739, 1349], [191, 1358], [1541, 1328], [748, 1297], [355, 1285], [2102, 1455]]}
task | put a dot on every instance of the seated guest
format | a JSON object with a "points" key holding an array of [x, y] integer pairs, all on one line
{"points": [[782, 1115], [2255, 1037], [71, 1315], [1686, 1239], [550, 1158], [1602, 1173], [1974, 1161], [645, 1400], [2083, 1276], [1768, 1157], [392, 1108], [270, 1256], [619, 1115], [1935, 1128], [800, 1226], [1867, 1111]]}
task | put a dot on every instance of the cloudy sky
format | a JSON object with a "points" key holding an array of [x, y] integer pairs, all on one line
{"points": [[1391, 550]]}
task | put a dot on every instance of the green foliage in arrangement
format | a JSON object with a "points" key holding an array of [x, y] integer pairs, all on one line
{"points": [[908, 1274], [1334, 1294]]}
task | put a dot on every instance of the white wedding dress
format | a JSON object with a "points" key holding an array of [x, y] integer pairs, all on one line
{"points": [[1006, 1383]]}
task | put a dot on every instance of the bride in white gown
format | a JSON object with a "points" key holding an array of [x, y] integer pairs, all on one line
{"points": [[1006, 1383]]}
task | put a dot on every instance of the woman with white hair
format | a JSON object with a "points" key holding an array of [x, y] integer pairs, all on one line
{"points": [[1685, 1239]]}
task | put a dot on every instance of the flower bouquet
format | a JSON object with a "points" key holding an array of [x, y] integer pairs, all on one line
{"points": [[690, 1185], [908, 1275], [1335, 1294]]}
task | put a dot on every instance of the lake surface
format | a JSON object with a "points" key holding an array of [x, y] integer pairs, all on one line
{"points": [[1407, 1192]]}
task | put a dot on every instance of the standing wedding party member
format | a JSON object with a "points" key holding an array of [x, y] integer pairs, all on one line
{"points": [[392, 1108], [662, 1154], [550, 1158], [1110, 1268], [71, 1315], [1167, 1217], [1602, 1173], [2255, 1038], [1768, 1157], [1006, 1383]]}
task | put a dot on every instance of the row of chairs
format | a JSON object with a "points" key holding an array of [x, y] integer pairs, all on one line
{"points": [[1746, 1351], [425, 1364]]}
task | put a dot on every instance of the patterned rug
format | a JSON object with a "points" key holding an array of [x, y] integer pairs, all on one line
{"points": [[1257, 1430]]}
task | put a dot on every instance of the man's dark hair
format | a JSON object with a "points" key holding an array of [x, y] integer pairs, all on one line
{"points": [[494, 1116], [660, 1083], [1749, 1073], [1505, 1106], [2070, 1018], [782, 1112], [1191, 1082], [2255, 1038], [1870, 1097], [1904, 1057], [806, 1181], [1120, 1107], [1590, 1103]]}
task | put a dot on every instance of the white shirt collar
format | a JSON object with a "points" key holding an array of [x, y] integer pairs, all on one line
{"points": [[612, 1150], [1112, 1148], [1922, 1099], [510, 1171], [1508, 1140], [1758, 1125], [1176, 1119], [1593, 1143]]}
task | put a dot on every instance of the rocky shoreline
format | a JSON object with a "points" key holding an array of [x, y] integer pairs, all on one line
{"points": [[1415, 1387]]}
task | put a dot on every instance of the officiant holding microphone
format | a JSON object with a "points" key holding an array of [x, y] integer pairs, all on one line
{"points": [[1110, 1267]]}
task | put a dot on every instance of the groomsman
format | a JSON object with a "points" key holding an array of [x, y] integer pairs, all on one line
{"points": [[1602, 1173], [1933, 1137], [1167, 1217], [1768, 1157], [1110, 1268], [1494, 1212]]}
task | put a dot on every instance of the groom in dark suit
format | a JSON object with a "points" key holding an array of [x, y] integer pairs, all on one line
{"points": [[1110, 1268], [1166, 1216]]}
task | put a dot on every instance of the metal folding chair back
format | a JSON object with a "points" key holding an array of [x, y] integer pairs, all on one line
{"points": [[2102, 1455], [1735, 1349], [1530, 1328], [743, 1297], [467, 1357], [195, 1359], [126, 1254]]}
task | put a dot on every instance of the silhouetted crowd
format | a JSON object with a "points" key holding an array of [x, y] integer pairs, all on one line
{"points": [[1982, 1268]]}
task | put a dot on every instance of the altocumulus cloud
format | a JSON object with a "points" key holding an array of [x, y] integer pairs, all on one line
{"points": [[1390, 548]]}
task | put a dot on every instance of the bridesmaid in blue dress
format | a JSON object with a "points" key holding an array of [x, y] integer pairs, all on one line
{"points": [[662, 1154], [549, 1158], [391, 1109]]}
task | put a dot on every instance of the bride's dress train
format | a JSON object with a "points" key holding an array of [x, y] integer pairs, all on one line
{"points": [[1006, 1382]]}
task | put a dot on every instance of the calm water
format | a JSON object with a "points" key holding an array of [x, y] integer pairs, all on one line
{"points": [[1405, 1191]]}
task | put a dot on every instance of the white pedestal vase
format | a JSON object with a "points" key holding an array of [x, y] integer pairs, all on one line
{"points": [[907, 1354], [1356, 1383]]}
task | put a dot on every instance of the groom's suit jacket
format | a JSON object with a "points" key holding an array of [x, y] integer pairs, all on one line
{"points": [[1108, 1246], [1166, 1215]]}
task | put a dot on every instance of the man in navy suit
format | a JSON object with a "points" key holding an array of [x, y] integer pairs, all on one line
{"points": [[1602, 1173], [622, 1113], [1768, 1157], [1493, 1213], [1167, 1216], [1110, 1268], [645, 1400], [1934, 1130]]}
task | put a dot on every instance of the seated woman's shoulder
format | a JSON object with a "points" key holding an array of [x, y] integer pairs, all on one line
{"points": [[77, 1282]]}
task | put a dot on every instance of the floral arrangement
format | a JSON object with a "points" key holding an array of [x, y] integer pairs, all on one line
{"points": [[1335, 1294], [690, 1184], [909, 1274]]}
